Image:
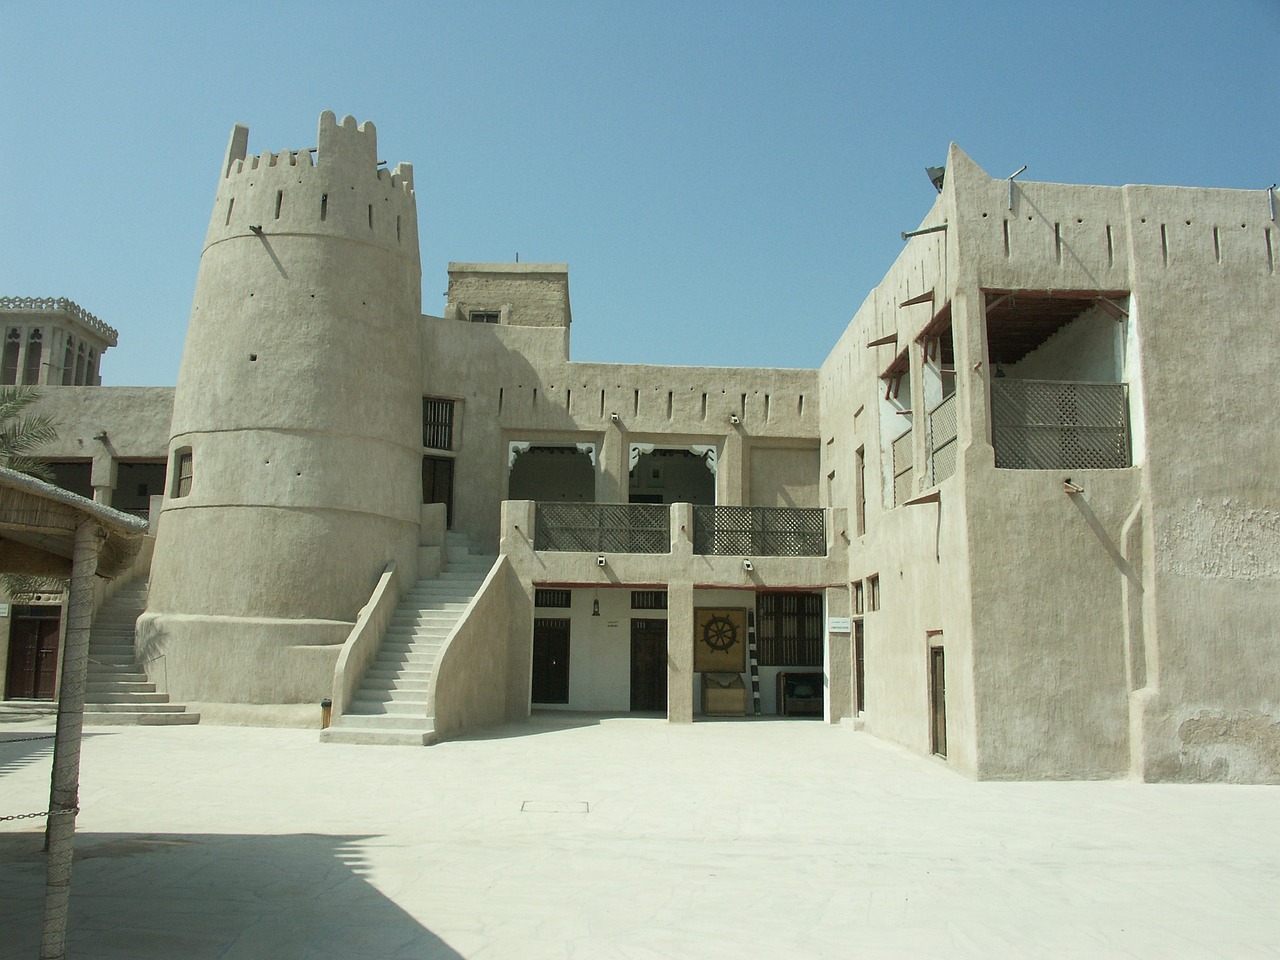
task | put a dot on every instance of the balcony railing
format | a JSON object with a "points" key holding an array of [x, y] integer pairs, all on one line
{"points": [[1060, 425], [603, 527], [942, 441], [903, 468], [759, 531]]}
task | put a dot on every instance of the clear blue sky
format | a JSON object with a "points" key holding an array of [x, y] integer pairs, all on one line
{"points": [[726, 181]]}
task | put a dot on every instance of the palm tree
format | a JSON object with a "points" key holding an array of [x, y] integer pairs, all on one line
{"points": [[20, 433]]}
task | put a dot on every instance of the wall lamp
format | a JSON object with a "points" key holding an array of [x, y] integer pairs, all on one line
{"points": [[1071, 488], [614, 417], [734, 419], [600, 560], [747, 565]]}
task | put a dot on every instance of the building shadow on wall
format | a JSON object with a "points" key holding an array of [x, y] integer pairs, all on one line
{"points": [[144, 896]]}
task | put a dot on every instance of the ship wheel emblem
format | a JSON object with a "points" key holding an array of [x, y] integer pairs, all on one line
{"points": [[719, 634]]}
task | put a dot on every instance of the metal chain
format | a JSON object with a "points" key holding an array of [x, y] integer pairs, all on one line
{"points": [[43, 813], [44, 736]]}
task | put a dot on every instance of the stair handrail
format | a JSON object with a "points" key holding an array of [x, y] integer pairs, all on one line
{"points": [[474, 659], [361, 645]]}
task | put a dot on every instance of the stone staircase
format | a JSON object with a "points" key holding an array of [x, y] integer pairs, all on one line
{"points": [[117, 690], [390, 705]]}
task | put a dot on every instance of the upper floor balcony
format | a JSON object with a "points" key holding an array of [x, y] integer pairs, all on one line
{"points": [[647, 528], [1060, 424]]}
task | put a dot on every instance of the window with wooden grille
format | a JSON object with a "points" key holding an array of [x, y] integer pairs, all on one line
{"points": [[648, 599], [183, 469], [484, 316], [859, 602], [551, 598], [873, 592], [789, 629], [437, 423]]}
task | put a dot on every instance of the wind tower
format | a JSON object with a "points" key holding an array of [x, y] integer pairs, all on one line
{"points": [[295, 449]]}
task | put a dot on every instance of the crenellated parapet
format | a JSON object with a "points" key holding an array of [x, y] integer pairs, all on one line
{"points": [[338, 189], [64, 306]]}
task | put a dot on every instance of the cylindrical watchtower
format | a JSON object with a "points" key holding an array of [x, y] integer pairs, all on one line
{"points": [[295, 455]]}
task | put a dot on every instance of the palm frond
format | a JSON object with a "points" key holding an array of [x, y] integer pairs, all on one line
{"points": [[21, 588], [21, 433]]}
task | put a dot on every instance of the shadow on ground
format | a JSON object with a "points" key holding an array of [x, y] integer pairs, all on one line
{"points": [[142, 896]]}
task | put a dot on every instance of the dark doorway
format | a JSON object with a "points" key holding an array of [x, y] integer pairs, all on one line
{"points": [[550, 661], [32, 672], [859, 668], [937, 702], [649, 665], [437, 484]]}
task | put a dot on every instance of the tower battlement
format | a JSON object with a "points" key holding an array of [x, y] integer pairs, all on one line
{"points": [[341, 191]]}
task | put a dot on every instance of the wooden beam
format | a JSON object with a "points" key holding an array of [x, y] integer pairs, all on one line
{"points": [[884, 341], [922, 298]]}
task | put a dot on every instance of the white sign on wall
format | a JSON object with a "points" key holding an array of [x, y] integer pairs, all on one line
{"points": [[839, 624]]}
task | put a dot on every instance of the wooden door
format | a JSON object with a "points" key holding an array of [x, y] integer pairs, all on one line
{"points": [[32, 671], [937, 701], [649, 665], [550, 660]]}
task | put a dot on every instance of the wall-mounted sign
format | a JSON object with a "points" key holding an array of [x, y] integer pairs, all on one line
{"points": [[839, 624], [719, 640]]}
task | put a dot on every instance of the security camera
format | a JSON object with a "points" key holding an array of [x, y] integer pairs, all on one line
{"points": [[733, 418], [600, 560], [747, 565]]}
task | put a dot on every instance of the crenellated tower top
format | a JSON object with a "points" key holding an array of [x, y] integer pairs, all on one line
{"points": [[339, 188]]}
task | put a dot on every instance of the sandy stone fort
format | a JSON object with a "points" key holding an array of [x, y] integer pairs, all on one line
{"points": [[1024, 516]]}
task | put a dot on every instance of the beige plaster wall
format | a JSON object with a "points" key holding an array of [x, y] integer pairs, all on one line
{"points": [[1207, 309], [785, 476], [516, 384], [523, 294]]}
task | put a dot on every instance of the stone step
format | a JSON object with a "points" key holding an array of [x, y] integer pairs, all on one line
{"points": [[103, 675], [140, 719], [110, 650], [114, 659], [93, 686], [374, 737], [384, 721], [393, 661], [140, 707], [392, 673], [125, 696], [398, 693], [377, 685], [359, 706]]}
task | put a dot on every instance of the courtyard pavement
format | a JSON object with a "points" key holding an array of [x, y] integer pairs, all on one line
{"points": [[591, 838]]}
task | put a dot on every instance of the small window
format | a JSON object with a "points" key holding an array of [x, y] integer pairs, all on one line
{"points": [[551, 598], [859, 598], [484, 316], [437, 423], [182, 473], [648, 599], [873, 592]]}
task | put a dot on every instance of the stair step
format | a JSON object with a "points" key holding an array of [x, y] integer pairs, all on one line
{"points": [[125, 697], [369, 695], [385, 721], [375, 737], [93, 686], [140, 707], [141, 719], [402, 708], [110, 676]]}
